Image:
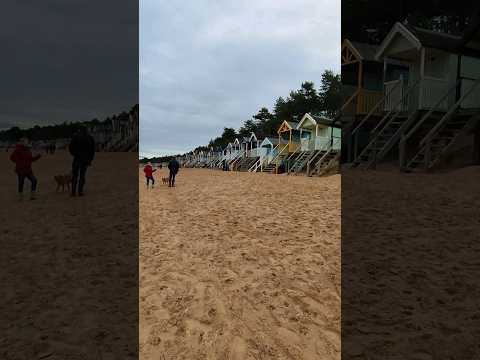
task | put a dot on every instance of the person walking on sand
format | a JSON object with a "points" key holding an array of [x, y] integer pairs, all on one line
{"points": [[82, 148], [23, 159], [149, 170], [173, 166]]}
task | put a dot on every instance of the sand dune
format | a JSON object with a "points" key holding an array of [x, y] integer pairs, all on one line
{"points": [[65, 278], [240, 266]]}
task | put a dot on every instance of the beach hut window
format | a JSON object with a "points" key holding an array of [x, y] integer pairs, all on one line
{"points": [[395, 72], [285, 135], [323, 132], [306, 134], [295, 135]]}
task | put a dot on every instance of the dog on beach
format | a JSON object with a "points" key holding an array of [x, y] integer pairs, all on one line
{"points": [[165, 180], [63, 181]]}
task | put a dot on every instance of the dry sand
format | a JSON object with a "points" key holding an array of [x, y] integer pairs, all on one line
{"points": [[240, 266], [410, 264], [65, 262]]}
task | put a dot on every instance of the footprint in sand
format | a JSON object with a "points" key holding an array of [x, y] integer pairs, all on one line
{"points": [[238, 349]]}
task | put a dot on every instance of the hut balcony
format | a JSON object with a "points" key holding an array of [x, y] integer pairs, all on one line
{"points": [[320, 143]]}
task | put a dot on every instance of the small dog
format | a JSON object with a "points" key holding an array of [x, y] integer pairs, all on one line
{"points": [[165, 180], [63, 181]]}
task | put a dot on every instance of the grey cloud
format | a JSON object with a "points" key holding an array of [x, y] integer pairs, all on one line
{"points": [[209, 65], [67, 61]]}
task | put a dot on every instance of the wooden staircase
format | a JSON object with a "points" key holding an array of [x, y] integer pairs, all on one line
{"points": [[438, 142], [301, 161], [236, 159], [325, 160], [270, 168], [387, 132], [383, 139], [432, 139], [326, 163], [246, 163]]}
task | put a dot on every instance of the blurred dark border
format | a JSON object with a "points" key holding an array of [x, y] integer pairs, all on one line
{"points": [[410, 194], [70, 265]]}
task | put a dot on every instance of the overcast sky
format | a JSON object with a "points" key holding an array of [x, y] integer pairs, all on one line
{"points": [[67, 60], [210, 64]]}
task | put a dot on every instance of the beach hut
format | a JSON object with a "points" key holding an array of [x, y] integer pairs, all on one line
{"points": [[267, 150], [362, 78], [237, 152], [266, 147], [288, 132], [289, 146], [250, 153], [431, 97], [362, 85], [320, 138], [253, 145]]}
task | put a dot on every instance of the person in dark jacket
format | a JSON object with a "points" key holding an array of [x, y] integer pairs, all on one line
{"points": [[173, 166], [23, 159], [82, 148]]}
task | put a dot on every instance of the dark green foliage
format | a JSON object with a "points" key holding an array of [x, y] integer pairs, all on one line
{"points": [[160, 159], [58, 131], [378, 16], [330, 94], [326, 100]]}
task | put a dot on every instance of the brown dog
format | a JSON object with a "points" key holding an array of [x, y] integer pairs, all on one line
{"points": [[165, 180], [63, 181]]}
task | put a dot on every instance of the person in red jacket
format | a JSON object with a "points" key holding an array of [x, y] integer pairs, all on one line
{"points": [[23, 159], [149, 170]]}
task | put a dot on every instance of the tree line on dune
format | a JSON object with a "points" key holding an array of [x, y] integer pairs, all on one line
{"points": [[371, 20], [59, 131], [325, 101]]}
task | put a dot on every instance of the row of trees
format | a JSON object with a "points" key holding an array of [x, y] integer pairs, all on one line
{"points": [[58, 131], [370, 20], [158, 159], [326, 101]]}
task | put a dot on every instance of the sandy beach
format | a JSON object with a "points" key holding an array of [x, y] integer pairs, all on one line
{"points": [[410, 268], [240, 266], [65, 262]]}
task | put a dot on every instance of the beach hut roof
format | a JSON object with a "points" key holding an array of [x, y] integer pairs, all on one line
{"points": [[317, 120], [419, 38], [236, 141], [361, 51], [287, 126], [252, 135], [269, 141]]}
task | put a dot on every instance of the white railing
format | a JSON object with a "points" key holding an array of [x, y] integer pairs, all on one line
{"points": [[308, 144], [237, 156], [394, 89], [335, 145], [279, 153], [256, 166], [432, 89], [271, 154], [322, 142]]}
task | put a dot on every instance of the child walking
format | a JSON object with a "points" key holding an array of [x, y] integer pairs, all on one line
{"points": [[23, 159], [149, 170]]}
